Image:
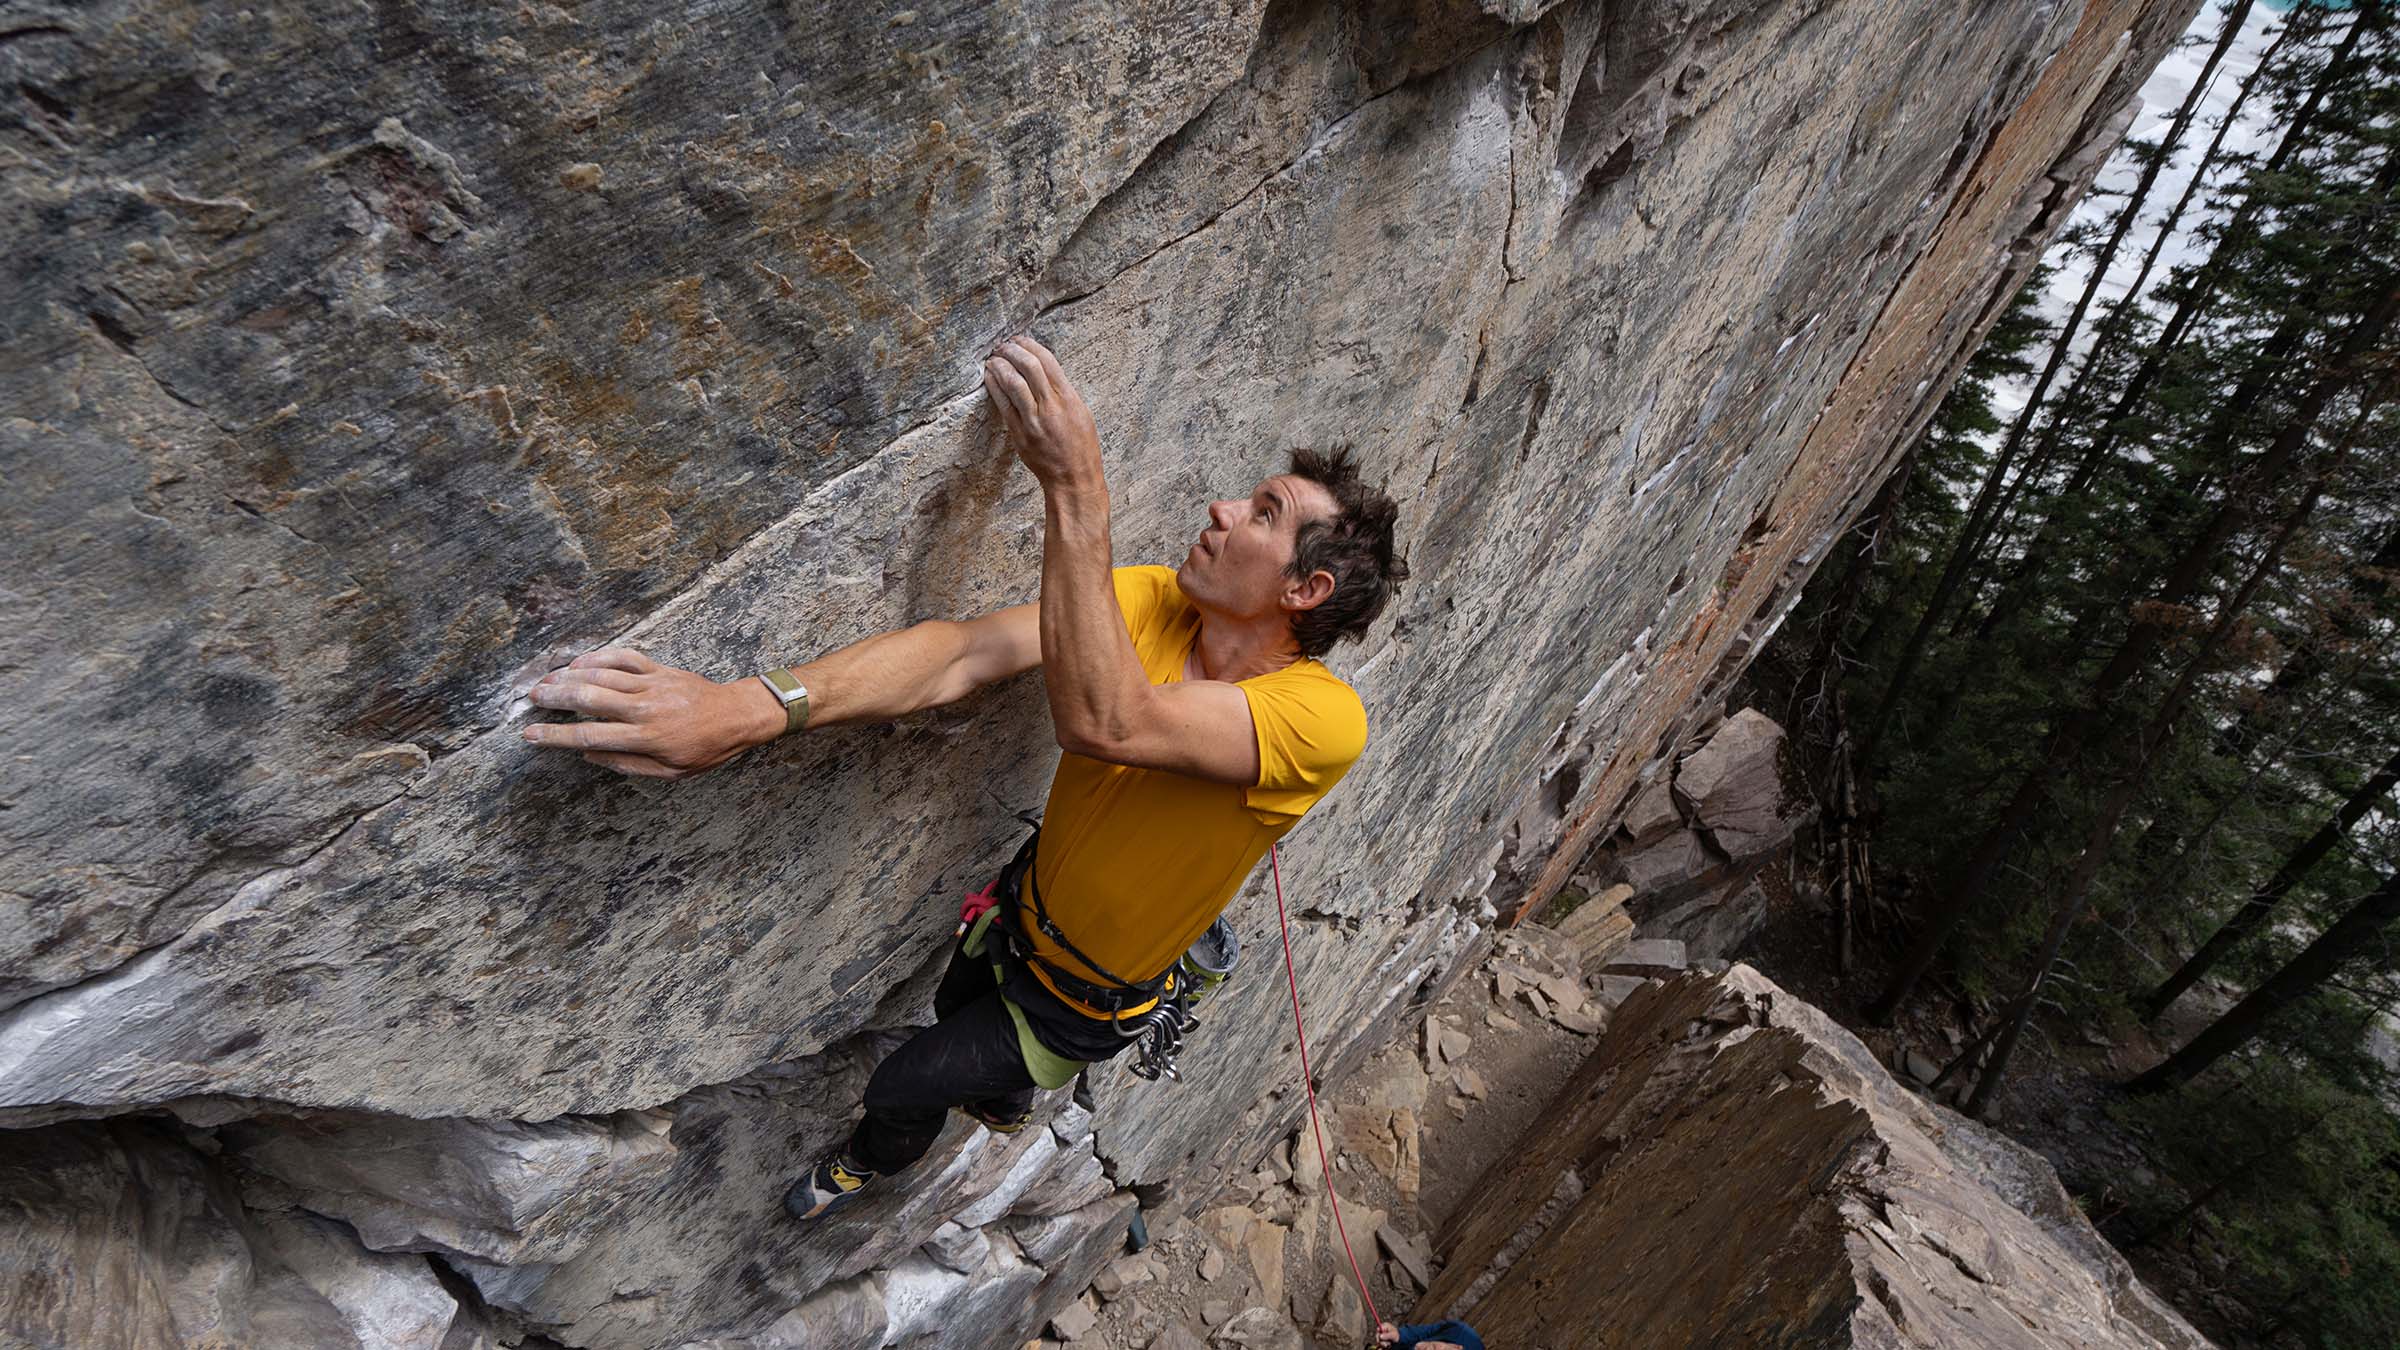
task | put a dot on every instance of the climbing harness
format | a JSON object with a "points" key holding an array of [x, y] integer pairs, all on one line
{"points": [[1163, 1028], [1308, 1080], [1163, 1024], [1158, 1012]]}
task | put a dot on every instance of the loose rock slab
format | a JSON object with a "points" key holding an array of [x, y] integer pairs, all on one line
{"points": [[1789, 1154]]}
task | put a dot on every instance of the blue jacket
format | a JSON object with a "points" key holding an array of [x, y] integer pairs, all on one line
{"points": [[1457, 1333]]}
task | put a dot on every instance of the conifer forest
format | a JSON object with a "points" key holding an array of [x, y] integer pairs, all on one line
{"points": [[2100, 703]]}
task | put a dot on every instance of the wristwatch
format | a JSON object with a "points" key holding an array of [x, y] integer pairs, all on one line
{"points": [[792, 694]]}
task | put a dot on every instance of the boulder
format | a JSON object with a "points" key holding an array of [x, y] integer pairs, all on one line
{"points": [[1123, 1273], [1594, 911], [1652, 812], [1257, 1328], [1604, 937], [1075, 1321], [1715, 924], [1308, 1163], [1670, 862], [1263, 1245], [1582, 1019], [1408, 1175], [1344, 1320], [1615, 989], [1848, 1206], [1733, 787], [1647, 957]]}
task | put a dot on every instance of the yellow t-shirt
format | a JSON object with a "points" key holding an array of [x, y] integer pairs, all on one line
{"points": [[1135, 864]]}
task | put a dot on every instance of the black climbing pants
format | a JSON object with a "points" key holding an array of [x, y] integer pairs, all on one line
{"points": [[969, 1056]]}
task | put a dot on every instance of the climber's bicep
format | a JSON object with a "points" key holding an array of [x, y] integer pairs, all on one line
{"points": [[1199, 728]]}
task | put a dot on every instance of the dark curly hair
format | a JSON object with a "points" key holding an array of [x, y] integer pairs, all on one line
{"points": [[1355, 545]]}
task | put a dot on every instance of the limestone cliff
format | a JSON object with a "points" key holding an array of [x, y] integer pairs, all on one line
{"points": [[361, 358]]}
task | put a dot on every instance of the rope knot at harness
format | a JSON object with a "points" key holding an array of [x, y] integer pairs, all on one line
{"points": [[976, 902]]}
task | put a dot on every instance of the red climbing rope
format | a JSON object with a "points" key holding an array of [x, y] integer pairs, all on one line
{"points": [[1308, 1079]]}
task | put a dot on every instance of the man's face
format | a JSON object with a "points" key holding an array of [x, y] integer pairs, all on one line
{"points": [[1239, 564]]}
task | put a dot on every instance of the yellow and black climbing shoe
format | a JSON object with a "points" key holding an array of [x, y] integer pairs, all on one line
{"points": [[1008, 1120], [832, 1184]]}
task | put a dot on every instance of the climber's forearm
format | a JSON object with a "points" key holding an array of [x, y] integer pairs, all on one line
{"points": [[894, 674], [661, 722], [1098, 692]]}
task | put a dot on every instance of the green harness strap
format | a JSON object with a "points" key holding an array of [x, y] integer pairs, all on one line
{"points": [[1049, 1068]]}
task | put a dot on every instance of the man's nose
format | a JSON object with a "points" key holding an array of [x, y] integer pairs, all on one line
{"points": [[1220, 513]]}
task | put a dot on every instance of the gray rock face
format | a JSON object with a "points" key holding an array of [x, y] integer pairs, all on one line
{"points": [[301, 296], [360, 362], [119, 1235], [502, 1191], [1854, 1213]]}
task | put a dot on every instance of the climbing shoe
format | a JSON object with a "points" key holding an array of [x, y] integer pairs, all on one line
{"points": [[998, 1122], [832, 1184]]}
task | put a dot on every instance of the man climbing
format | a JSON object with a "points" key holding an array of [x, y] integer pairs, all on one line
{"points": [[1197, 727]]}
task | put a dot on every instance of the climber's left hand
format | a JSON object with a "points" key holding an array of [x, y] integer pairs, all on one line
{"points": [[1049, 425], [651, 720]]}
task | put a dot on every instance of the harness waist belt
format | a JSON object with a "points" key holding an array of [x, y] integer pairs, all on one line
{"points": [[1111, 1002]]}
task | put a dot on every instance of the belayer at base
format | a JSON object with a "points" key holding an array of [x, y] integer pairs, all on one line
{"points": [[1197, 727], [1430, 1336]]}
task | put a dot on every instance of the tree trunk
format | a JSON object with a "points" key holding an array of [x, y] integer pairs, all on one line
{"points": [[2264, 901], [2271, 366], [2074, 897], [2074, 726], [2229, 1179], [1867, 540], [2313, 658], [2352, 935], [2234, 237], [1953, 572], [2111, 323]]}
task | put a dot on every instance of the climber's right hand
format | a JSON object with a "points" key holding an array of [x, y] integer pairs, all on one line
{"points": [[652, 720], [1386, 1334]]}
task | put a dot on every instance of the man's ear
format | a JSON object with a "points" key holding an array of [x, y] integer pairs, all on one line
{"points": [[1308, 592]]}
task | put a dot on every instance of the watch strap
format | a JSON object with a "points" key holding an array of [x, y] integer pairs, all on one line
{"points": [[792, 694]]}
